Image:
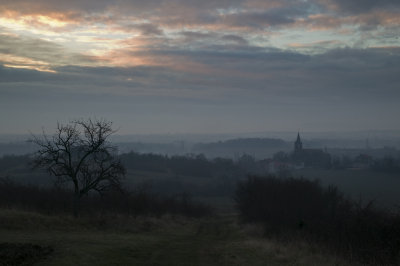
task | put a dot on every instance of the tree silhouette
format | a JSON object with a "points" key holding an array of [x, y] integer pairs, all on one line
{"points": [[79, 152]]}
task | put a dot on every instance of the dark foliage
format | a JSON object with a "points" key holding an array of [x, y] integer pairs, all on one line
{"points": [[22, 254], [16, 148], [27, 197], [56, 200], [191, 165], [387, 164], [14, 163], [146, 203], [343, 162], [289, 207], [182, 173], [242, 144]]}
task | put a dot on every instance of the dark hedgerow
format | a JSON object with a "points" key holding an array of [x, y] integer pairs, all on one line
{"points": [[133, 203], [292, 207]]}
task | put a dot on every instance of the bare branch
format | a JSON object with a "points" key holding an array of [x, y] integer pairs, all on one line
{"points": [[79, 152]]}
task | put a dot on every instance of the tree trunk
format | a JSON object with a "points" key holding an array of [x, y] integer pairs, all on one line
{"points": [[76, 204]]}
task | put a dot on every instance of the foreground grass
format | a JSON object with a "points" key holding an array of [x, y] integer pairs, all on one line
{"points": [[115, 240]]}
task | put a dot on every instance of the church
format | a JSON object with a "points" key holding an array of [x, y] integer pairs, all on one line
{"points": [[309, 157]]}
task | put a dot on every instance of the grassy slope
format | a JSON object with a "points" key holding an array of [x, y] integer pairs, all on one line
{"points": [[150, 241]]}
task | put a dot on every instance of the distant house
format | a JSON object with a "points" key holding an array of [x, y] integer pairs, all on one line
{"points": [[309, 157], [275, 166], [362, 161], [298, 159]]}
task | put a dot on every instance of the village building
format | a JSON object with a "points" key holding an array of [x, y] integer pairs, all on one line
{"points": [[317, 158]]}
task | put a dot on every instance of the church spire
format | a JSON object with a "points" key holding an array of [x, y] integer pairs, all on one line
{"points": [[298, 145]]}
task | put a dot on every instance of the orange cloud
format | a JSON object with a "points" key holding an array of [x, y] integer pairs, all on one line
{"points": [[45, 20], [25, 62]]}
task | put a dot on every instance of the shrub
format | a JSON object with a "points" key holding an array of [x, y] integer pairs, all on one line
{"points": [[291, 207], [56, 200]]}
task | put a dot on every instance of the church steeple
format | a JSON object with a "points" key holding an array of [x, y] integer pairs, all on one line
{"points": [[298, 145]]}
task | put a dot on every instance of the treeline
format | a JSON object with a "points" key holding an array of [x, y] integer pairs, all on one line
{"points": [[144, 147], [16, 148], [14, 162], [242, 144], [291, 208], [188, 165], [387, 164], [193, 174], [56, 200], [191, 165], [257, 147]]}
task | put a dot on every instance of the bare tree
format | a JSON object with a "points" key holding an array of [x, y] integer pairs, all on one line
{"points": [[79, 152]]}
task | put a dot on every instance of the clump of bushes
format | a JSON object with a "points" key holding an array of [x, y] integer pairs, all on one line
{"points": [[142, 202], [53, 200], [291, 207], [22, 254]]}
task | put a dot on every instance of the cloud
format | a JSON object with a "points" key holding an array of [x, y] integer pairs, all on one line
{"points": [[22, 51], [8, 75], [103, 24], [236, 85], [235, 39], [261, 19], [40, 6], [149, 29], [192, 36], [172, 13], [362, 6], [207, 39], [345, 73]]}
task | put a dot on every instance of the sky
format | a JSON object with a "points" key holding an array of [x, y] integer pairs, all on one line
{"points": [[210, 66]]}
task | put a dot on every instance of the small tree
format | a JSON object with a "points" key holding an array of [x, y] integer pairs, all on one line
{"points": [[79, 152]]}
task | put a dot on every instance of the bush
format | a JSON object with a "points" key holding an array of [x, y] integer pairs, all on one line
{"points": [[291, 207], [56, 200]]}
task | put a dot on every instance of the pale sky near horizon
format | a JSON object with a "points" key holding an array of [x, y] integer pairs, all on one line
{"points": [[211, 66]]}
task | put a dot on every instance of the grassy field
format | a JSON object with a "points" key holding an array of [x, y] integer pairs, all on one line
{"points": [[168, 240]]}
